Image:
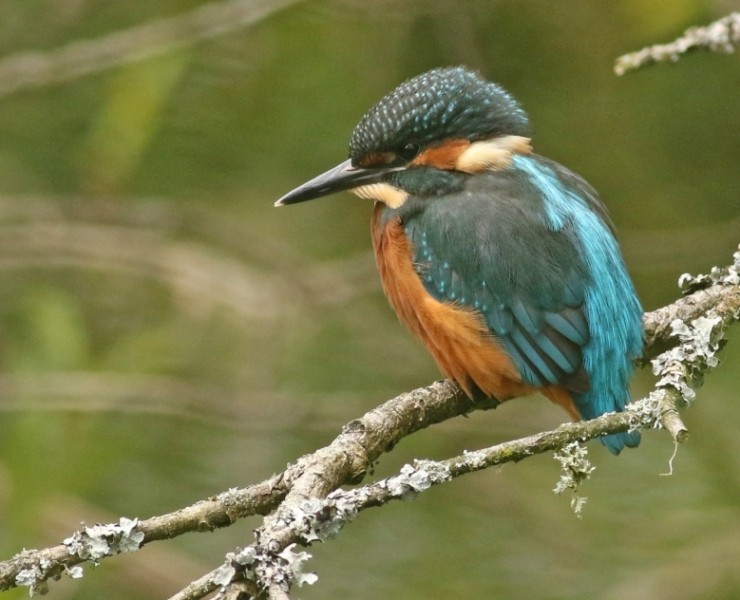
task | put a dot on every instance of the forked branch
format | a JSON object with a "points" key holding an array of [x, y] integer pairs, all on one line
{"points": [[304, 503]]}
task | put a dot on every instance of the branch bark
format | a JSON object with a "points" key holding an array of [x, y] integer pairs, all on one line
{"points": [[304, 504], [721, 36]]}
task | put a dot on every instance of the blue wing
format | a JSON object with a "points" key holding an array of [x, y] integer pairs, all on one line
{"points": [[532, 250], [528, 282]]}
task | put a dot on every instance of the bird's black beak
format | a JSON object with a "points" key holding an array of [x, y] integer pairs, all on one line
{"points": [[341, 177]]}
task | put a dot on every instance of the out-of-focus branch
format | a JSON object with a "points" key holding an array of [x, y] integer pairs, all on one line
{"points": [[721, 36], [305, 500], [39, 69]]}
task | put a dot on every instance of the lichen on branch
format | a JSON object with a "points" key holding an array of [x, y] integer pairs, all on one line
{"points": [[721, 36], [305, 502]]}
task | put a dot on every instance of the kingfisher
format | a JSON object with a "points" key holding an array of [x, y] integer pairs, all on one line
{"points": [[502, 262]]}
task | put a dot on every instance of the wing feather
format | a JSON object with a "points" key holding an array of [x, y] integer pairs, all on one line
{"points": [[526, 280]]}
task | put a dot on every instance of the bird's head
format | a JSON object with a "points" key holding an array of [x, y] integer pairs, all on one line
{"points": [[448, 119]]}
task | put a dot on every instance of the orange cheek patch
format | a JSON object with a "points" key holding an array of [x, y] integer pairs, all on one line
{"points": [[442, 156]]}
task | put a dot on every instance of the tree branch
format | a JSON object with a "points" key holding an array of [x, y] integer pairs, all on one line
{"points": [[304, 518], [305, 498], [721, 36], [39, 69]]}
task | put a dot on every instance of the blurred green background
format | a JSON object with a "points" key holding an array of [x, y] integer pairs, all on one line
{"points": [[166, 334]]}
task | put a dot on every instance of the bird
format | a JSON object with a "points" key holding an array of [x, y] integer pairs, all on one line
{"points": [[502, 262]]}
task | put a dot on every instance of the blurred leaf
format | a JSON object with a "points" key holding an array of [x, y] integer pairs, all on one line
{"points": [[127, 121], [47, 331]]}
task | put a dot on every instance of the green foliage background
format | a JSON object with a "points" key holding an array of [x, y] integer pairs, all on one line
{"points": [[165, 334]]}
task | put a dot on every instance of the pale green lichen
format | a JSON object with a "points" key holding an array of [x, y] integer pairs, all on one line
{"points": [[294, 561], [575, 469], [682, 367], [98, 541], [254, 563], [721, 276]]}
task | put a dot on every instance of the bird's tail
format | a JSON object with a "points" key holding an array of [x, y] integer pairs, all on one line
{"points": [[617, 441]]}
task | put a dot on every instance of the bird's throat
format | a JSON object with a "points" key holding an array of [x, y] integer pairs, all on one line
{"points": [[386, 193]]}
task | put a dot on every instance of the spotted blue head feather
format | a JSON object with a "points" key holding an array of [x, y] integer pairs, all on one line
{"points": [[437, 105]]}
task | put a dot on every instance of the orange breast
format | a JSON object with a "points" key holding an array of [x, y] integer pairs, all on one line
{"points": [[456, 337]]}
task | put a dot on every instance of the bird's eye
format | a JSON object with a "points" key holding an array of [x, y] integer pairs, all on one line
{"points": [[409, 151]]}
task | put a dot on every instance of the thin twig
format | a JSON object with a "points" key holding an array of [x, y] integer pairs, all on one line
{"points": [[670, 418], [721, 36]]}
